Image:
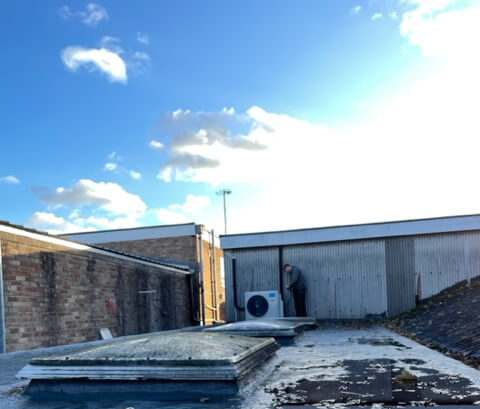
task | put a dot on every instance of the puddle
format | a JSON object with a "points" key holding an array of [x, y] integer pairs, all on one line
{"points": [[377, 382], [413, 361], [381, 342]]}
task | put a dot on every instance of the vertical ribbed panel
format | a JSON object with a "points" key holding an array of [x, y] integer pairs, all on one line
{"points": [[344, 280], [257, 270], [444, 260], [347, 280], [401, 278]]}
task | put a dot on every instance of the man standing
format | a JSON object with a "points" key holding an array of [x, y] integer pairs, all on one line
{"points": [[297, 284]]}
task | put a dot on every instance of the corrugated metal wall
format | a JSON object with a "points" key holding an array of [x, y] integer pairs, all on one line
{"points": [[350, 280], [401, 278], [344, 280], [257, 270], [446, 259]]}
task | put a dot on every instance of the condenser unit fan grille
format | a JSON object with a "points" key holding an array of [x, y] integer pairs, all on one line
{"points": [[257, 306]]}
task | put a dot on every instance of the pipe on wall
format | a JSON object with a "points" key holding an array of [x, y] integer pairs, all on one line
{"points": [[201, 279], [280, 272], [213, 272], [234, 278], [191, 299], [3, 344]]}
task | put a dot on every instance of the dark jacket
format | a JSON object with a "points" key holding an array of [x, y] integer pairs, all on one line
{"points": [[297, 281]]}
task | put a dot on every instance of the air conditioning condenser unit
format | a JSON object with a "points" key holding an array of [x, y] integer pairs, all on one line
{"points": [[263, 304]]}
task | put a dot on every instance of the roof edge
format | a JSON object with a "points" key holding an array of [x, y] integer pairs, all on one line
{"points": [[71, 244], [126, 229], [445, 224]]}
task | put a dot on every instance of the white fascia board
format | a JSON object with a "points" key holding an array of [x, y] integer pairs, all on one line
{"points": [[82, 247], [142, 233], [354, 232]]}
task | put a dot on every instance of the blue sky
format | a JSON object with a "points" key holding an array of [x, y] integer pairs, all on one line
{"points": [[116, 114]]}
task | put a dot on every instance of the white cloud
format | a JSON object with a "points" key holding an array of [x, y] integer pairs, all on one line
{"points": [[135, 175], [102, 59], [54, 224], [194, 205], [393, 15], [414, 157], [95, 205], [110, 166], [377, 16], [94, 14], [112, 44], [156, 144], [356, 10], [447, 28], [108, 196], [10, 179], [114, 166], [91, 16], [165, 174], [65, 12], [143, 38], [109, 223], [51, 223], [167, 216], [216, 155], [138, 55]]}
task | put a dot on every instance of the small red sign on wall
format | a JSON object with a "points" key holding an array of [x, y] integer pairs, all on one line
{"points": [[112, 306]]}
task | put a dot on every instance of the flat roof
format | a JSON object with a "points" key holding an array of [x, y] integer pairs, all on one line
{"points": [[352, 232], [68, 243]]}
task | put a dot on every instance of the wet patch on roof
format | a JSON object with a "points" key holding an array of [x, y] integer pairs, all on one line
{"points": [[381, 342], [369, 382]]}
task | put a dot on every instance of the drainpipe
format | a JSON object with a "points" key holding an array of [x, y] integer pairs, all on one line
{"points": [[3, 344], [234, 279], [191, 298], [280, 275], [214, 275], [200, 274]]}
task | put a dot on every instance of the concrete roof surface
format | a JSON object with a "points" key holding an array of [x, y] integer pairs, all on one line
{"points": [[334, 366]]}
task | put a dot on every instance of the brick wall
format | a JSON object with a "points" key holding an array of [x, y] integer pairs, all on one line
{"points": [[214, 293], [182, 249], [54, 295]]}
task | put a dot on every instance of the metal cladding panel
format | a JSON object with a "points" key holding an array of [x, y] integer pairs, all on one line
{"points": [[345, 280], [401, 277], [445, 260], [257, 269]]}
